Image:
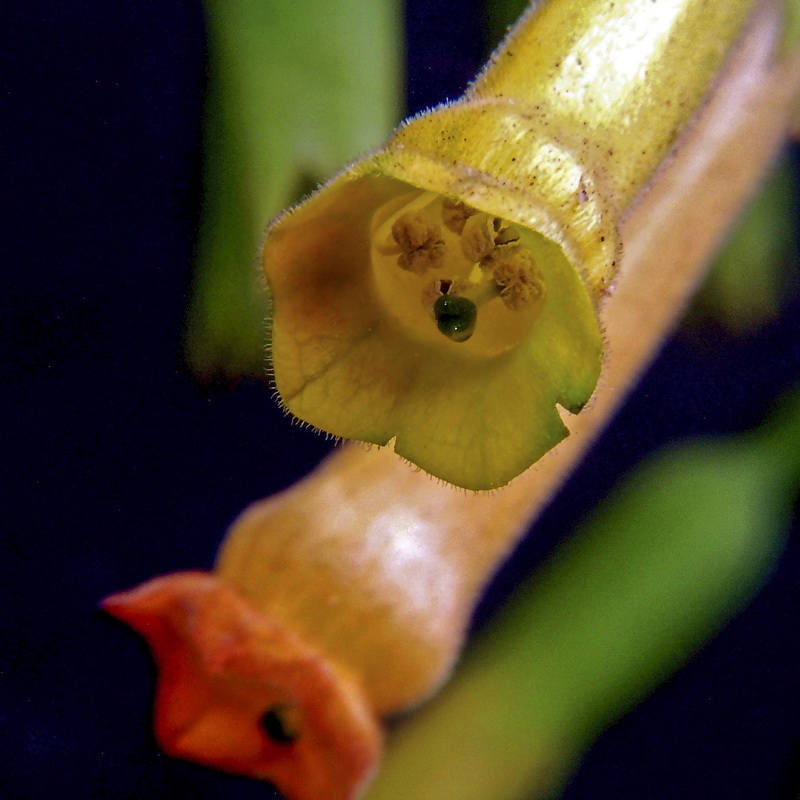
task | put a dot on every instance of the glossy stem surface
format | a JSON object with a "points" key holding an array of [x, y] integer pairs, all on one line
{"points": [[627, 75]]}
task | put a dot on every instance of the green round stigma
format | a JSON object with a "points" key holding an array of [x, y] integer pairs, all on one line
{"points": [[455, 317]]}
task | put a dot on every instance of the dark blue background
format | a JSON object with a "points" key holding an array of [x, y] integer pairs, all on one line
{"points": [[117, 466]]}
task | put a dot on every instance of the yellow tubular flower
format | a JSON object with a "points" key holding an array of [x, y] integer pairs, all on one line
{"points": [[442, 292]]}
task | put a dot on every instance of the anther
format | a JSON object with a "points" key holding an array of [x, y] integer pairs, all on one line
{"points": [[420, 242], [455, 214], [518, 278], [477, 238]]}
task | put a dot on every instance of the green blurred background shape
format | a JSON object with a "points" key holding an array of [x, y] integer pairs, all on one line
{"points": [[295, 91], [500, 16], [749, 279], [678, 547]]}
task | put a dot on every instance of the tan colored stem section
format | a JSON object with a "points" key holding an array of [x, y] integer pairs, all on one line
{"points": [[379, 565]]}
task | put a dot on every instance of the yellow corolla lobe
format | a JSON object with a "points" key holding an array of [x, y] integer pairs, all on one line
{"points": [[442, 293]]}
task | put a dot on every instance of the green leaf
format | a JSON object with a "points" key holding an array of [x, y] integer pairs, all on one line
{"points": [[295, 91]]}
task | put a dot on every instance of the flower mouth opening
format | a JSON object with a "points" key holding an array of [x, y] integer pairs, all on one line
{"points": [[455, 276], [453, 326]]}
